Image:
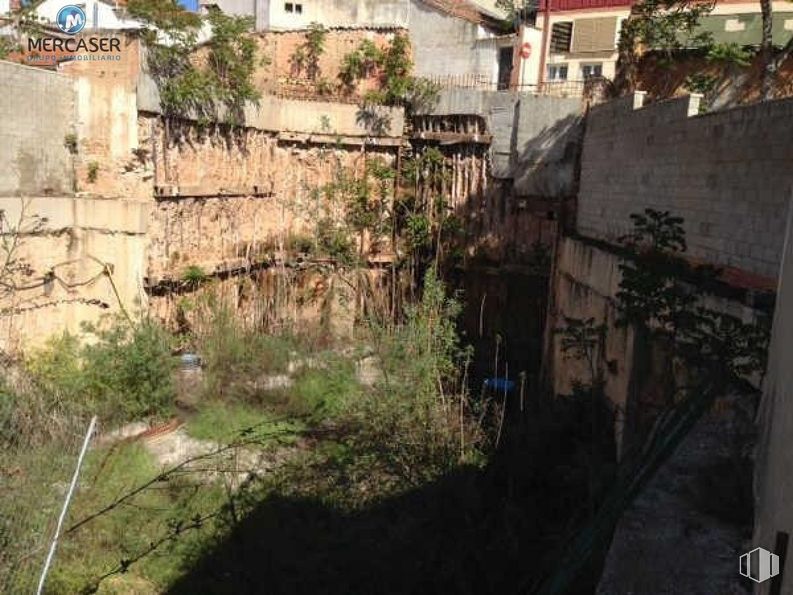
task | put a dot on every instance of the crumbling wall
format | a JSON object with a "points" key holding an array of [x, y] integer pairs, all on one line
{"points": [[512, 161], [38, 109], [279, 74], [225, 197], [80, 258], [728, 174], [535, 140]]}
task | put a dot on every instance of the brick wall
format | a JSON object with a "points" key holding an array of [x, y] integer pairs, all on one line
{"points": [[278, 73], [728, 174]]}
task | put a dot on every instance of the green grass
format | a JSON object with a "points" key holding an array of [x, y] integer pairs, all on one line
{"points": [[326, 390], [222, 422], [101, 545]]}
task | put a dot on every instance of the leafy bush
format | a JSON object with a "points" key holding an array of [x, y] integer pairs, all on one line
{"points": [[234, 356], [326, 390], [126, 373], [413, 417]]}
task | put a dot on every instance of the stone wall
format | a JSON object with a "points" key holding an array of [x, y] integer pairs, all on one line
{"points": [[728, 174], [38, 109], [280, 75]]}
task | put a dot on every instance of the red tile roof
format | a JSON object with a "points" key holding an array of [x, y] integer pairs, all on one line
{"points": [[558, 5]]}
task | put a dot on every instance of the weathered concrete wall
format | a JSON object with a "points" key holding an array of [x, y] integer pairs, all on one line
{"points": [[585, 285], [535, 139], [67, 243], [447, 46], [774, 464], [107, 127], [341, 13], [274, 114], [728, 174], [38, 109]]}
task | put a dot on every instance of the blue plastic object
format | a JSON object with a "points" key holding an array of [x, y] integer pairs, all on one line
{"points": [[500, 384]]}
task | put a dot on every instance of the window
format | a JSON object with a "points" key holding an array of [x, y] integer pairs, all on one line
{"points": [[591, 70], [293, 8], [561, 35], [298, 8], [504, 67], [594, 35], [289, 7], [557, 72]]}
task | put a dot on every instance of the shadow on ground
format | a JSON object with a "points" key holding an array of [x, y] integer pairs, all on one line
{"points": [[474, 531]]}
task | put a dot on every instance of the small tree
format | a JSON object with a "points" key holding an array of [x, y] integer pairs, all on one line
{"points": [[665, 26], [307, 55], [213, 89]]}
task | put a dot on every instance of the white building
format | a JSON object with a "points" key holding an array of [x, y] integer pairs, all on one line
{"points": [[98, 15]]}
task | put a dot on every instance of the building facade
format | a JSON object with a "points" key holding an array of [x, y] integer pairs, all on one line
{"points": [[572, 40]]}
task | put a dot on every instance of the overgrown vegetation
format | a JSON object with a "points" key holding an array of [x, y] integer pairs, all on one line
{"points": [[210, 83], [663, 26], [266, 402], [393, 67], [707, 354], [123, 373], [306, 56]]}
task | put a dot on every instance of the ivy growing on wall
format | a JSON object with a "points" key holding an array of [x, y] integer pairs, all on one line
{"points": [[394, 68], [306, 57]]}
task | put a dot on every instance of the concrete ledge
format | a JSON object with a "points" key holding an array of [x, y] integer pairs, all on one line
{"points": [[274, 114], [66, 212]]}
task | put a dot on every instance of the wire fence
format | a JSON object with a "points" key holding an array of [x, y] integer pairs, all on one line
{"points": [[39, 447]]}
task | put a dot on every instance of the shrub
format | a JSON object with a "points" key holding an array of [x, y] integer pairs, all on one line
{"points": [[235, 357], [326, 390], [412, 418], [126, 373], [131, 368]]}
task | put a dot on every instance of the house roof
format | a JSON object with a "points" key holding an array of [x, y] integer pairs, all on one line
{"points": [[463, 9]]}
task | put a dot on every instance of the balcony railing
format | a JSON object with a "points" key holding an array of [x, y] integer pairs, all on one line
{"points": [[591, 86]]}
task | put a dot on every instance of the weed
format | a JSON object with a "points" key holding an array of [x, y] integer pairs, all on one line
{"points": [[221, 422], [70, 142], [236, 357], [93, 171], [193, 275]]}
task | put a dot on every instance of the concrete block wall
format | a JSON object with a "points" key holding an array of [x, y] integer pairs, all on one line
{"points": [[38, 111], [535, 139], [728, 174]]}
